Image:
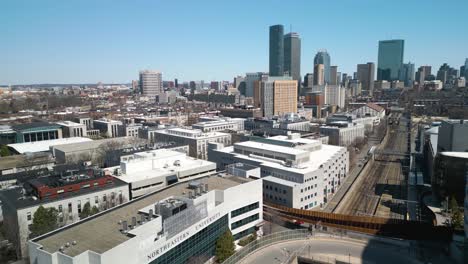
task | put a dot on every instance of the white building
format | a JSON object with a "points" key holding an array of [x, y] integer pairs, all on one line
{"points": [[108, 128], [72, 129], [196, 139], [130, 130], [146, 172], [221, 124], [297, 172], [343, 133], [68, 194], [369, 110], [151, 83], [174, 225], [333, 94]]}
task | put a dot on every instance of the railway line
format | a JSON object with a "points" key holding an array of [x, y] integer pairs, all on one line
{"points": [[381, 191]]}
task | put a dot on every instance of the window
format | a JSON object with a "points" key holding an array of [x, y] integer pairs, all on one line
{"points": [[69, 207], [244, 221], [96, 199], [79, 207], [28, 216]]}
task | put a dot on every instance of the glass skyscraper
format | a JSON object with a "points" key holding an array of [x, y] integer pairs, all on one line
{"points": [[292, 55], [390, 59], [276, 50], [322, 57]]}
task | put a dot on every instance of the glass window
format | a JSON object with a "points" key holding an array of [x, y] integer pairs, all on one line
{"points": [[28, 216]]}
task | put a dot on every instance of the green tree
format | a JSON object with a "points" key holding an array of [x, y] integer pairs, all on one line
{"points": [[4, 151], [45, 220], [86, 210], [457, 216], [94, 210], [225, 246]]}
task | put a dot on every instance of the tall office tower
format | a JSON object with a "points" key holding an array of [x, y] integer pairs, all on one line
{"points": [[292, 56], [151, 83], [446, 73], [276, 95], [390, 59], [366, 74], [465, 72], [338, 78], [344, 78], [322, 57], [276, 50], [333, 75], [308, 80], [250, 79], [176, 83], [422, 73], [407, 74], [319, 74]]}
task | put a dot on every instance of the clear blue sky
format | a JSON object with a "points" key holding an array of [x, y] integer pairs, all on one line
{"points": [[86, 41]]}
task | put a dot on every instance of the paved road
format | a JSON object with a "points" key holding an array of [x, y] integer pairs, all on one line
{"points": [[333, 248]]}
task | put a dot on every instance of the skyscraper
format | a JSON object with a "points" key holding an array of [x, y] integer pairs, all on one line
{"points": [[308, 80], [366, 74], [151, 84], [319, 74], [407, 74], [465, 72], [292, 56], [422, 74], [322, 57], [276, 50], [333, 75], [390, 59]]}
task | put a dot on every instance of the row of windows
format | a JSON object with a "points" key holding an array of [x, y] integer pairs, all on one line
{"points": [[201, 245], [84, 186], [39, 136], [308, 188], [311, 205], [311, 178], [244, 221], [279, 199], [244, 233], [244, 209], [276, 189], [307, 197]]}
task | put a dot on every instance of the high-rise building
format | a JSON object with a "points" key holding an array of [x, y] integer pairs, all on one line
{"points": [[446, 73], [292, 56], [308, 80], [365, 74], [422, 74], [334, 75], [239, 84], [276, 50], [319, 74], [322, 57], [276, 95], [465, 72], [390, 59], [176, 82], [151, 84], [407, 74], [250, 79]]}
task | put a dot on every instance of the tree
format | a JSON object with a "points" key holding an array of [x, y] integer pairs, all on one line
{"points": [[4, 151], [94, 210], [86, 210], [457, 216], [45, 220], [224, 246]]}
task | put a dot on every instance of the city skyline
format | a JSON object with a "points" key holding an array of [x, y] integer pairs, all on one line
{"points": [[90, 42]]}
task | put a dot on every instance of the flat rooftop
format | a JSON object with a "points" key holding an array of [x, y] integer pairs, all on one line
{"points": [[102, 232], [271, 147], [89, 144], [44, 145]]}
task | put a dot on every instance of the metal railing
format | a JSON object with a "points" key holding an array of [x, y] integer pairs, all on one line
{"points": [[266, 241]]}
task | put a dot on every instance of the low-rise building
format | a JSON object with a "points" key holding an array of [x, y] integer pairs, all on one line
{"points": [[196, 139], [219, 124], [36, 131], [369, 110], [130, 130], [178, 224], [342, 133], [146, 172], [72, 129], [108, 128], [67, 192], [44, 145], [296, 172]]}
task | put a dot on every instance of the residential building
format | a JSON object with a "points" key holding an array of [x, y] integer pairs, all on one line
{"points": [[365, 74], [177, 224], [151, 84], [276, 95], [108, 128], [322, 57], [296, 172], [292, 56], [390, 59], [196, 139], [67, 192], [276, 50], [146, 172]]}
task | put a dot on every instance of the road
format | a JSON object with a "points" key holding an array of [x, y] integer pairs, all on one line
{"points": [[327, 248]]}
